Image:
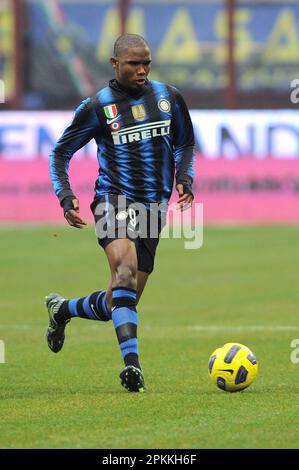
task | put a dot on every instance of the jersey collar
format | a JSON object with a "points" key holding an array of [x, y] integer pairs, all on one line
{"points": [[115, 85]]}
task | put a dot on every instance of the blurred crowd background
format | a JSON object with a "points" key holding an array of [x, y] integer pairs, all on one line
{"points": [[55, 52], [236, 62]]}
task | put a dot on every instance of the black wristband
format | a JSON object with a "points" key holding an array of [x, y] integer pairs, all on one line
{"points": [[67, 203], [187, 189]]}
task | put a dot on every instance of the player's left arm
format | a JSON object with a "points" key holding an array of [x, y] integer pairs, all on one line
{"points": [[183, 153]]}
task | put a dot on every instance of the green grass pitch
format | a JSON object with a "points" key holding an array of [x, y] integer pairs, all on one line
{"points": [[242, 286]]}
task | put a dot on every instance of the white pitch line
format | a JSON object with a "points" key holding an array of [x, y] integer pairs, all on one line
{"points": [[245, 328], [212, 328]]}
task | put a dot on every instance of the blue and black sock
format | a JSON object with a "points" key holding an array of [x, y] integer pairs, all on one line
{"points": [[125, 320], [92, 307]]}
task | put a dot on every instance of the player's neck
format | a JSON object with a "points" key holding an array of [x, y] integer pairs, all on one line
{"points": [[115, 84]]}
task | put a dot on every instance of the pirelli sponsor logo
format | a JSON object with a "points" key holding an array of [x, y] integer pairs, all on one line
{"points": [[141, 132]]}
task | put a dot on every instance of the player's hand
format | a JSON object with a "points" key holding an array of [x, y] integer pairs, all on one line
{"points": [[73, 216], [185, 199]]}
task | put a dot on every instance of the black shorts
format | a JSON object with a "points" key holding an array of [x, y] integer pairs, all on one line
{"points": [[117, 217]]}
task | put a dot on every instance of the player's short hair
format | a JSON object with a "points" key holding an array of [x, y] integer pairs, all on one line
{"points": [[126, 41]]}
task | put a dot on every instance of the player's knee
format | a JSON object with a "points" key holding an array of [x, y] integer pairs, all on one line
{"points": [[126, 276]]}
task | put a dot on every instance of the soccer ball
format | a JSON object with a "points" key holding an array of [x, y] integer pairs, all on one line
{"points": [[232, 367]]}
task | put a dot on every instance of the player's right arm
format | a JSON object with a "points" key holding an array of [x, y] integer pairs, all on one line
{"points": [[81, 130]]}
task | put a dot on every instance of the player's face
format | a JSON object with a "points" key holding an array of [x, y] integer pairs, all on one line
{"points": [[132, 67]]}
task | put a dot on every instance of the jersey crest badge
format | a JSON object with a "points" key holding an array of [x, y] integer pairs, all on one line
{"points": [[164, 106], [110, 111], [139, 112]]}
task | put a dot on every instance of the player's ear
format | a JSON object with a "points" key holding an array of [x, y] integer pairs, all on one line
{"points": [[113, 62]]}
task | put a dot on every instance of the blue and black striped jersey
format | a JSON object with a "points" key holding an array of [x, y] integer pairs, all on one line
{"points": [[144, 139]]}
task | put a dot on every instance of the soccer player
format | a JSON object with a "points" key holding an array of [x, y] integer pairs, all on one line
{"points": [[145, 139]]}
